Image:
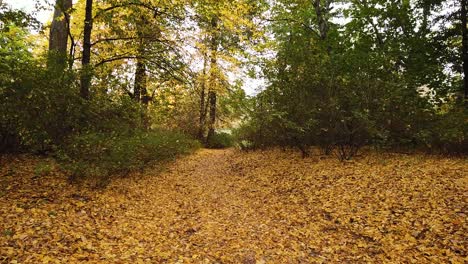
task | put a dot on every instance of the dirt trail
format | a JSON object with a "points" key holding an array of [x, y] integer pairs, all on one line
{"points": [[226, 206], [196, 206]]}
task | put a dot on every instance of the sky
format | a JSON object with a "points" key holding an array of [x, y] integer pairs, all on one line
{"points": [[251, 85], [29, 6]]}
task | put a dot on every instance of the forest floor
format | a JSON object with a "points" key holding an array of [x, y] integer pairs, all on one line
{"points": [[226, 206]]}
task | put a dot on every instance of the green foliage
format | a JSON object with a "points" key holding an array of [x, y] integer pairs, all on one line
{"points": [[42, 169], [16, 18], [377, 81], [101, 156], [41, 111], [220, 140], [176, 109], [448, 132], [118, 114], [381, 79], [38, 106]]}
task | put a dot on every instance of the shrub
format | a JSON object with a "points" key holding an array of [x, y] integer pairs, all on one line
{"points": [[448, 132], [100, 157], [220, 140], [39, 106]]}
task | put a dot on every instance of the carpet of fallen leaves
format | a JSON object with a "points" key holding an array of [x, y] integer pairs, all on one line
{"points": [[225, 206]]}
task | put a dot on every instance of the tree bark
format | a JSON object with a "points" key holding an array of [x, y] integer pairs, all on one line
{"points": [[322, 22], [59, 32], [464, 46], [145, 98], [141, 75], [140, 79], [322, 11], [213, 79], [202, 119], [211, 128], [86, 57]]}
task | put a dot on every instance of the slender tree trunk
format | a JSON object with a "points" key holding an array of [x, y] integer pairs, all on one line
{"points": [[322, 22], [211, 128], [202, 120], [59, 32], [141, 76], [322, 11], [145, 98], [86, 57], [140, 79], [465, 46], [213, 80]]}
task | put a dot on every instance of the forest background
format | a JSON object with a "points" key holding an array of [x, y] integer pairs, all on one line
{"points": [[109, 85]]}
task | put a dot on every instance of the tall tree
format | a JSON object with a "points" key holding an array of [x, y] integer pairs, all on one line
{"points": [[139, 87], [139, 39], [322, 11], [86, 73], [231, 29], [464, 15], [59, 33], [214, 71], [203, 104]]}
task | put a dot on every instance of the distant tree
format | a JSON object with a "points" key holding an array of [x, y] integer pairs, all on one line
{"points": [[375, 77], [228, 28]]}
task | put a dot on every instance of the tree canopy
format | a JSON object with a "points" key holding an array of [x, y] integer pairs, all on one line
{"points": [[337, 74]]}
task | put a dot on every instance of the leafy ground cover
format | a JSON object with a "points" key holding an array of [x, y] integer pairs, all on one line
{"points": [[225, 206]]}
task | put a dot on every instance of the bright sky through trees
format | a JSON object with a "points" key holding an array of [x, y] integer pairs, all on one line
{"points": [[29, 6], [251, 85]]}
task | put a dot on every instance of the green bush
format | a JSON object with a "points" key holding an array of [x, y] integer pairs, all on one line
{"points": [[448, 132], [220, 140], [101, 156], [39, 106], [245, 145]]}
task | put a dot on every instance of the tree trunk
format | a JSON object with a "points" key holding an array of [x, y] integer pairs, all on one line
{"points": [[59, 32], [140, 80], [211, 128], [465, 46], [202, 120], [213, 79], [86, 57], [145, 98], [141, 77], [425, 23], [321, 21], [322, 11]]}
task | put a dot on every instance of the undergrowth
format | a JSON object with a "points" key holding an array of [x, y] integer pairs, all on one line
{"points": [[101, 157]]}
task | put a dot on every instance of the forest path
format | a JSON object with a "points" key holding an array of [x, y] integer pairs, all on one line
{"points": [[197, 205], [227, 206]]}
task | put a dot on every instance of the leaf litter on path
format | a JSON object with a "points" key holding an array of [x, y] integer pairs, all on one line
{"points": [[227, 206]]}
